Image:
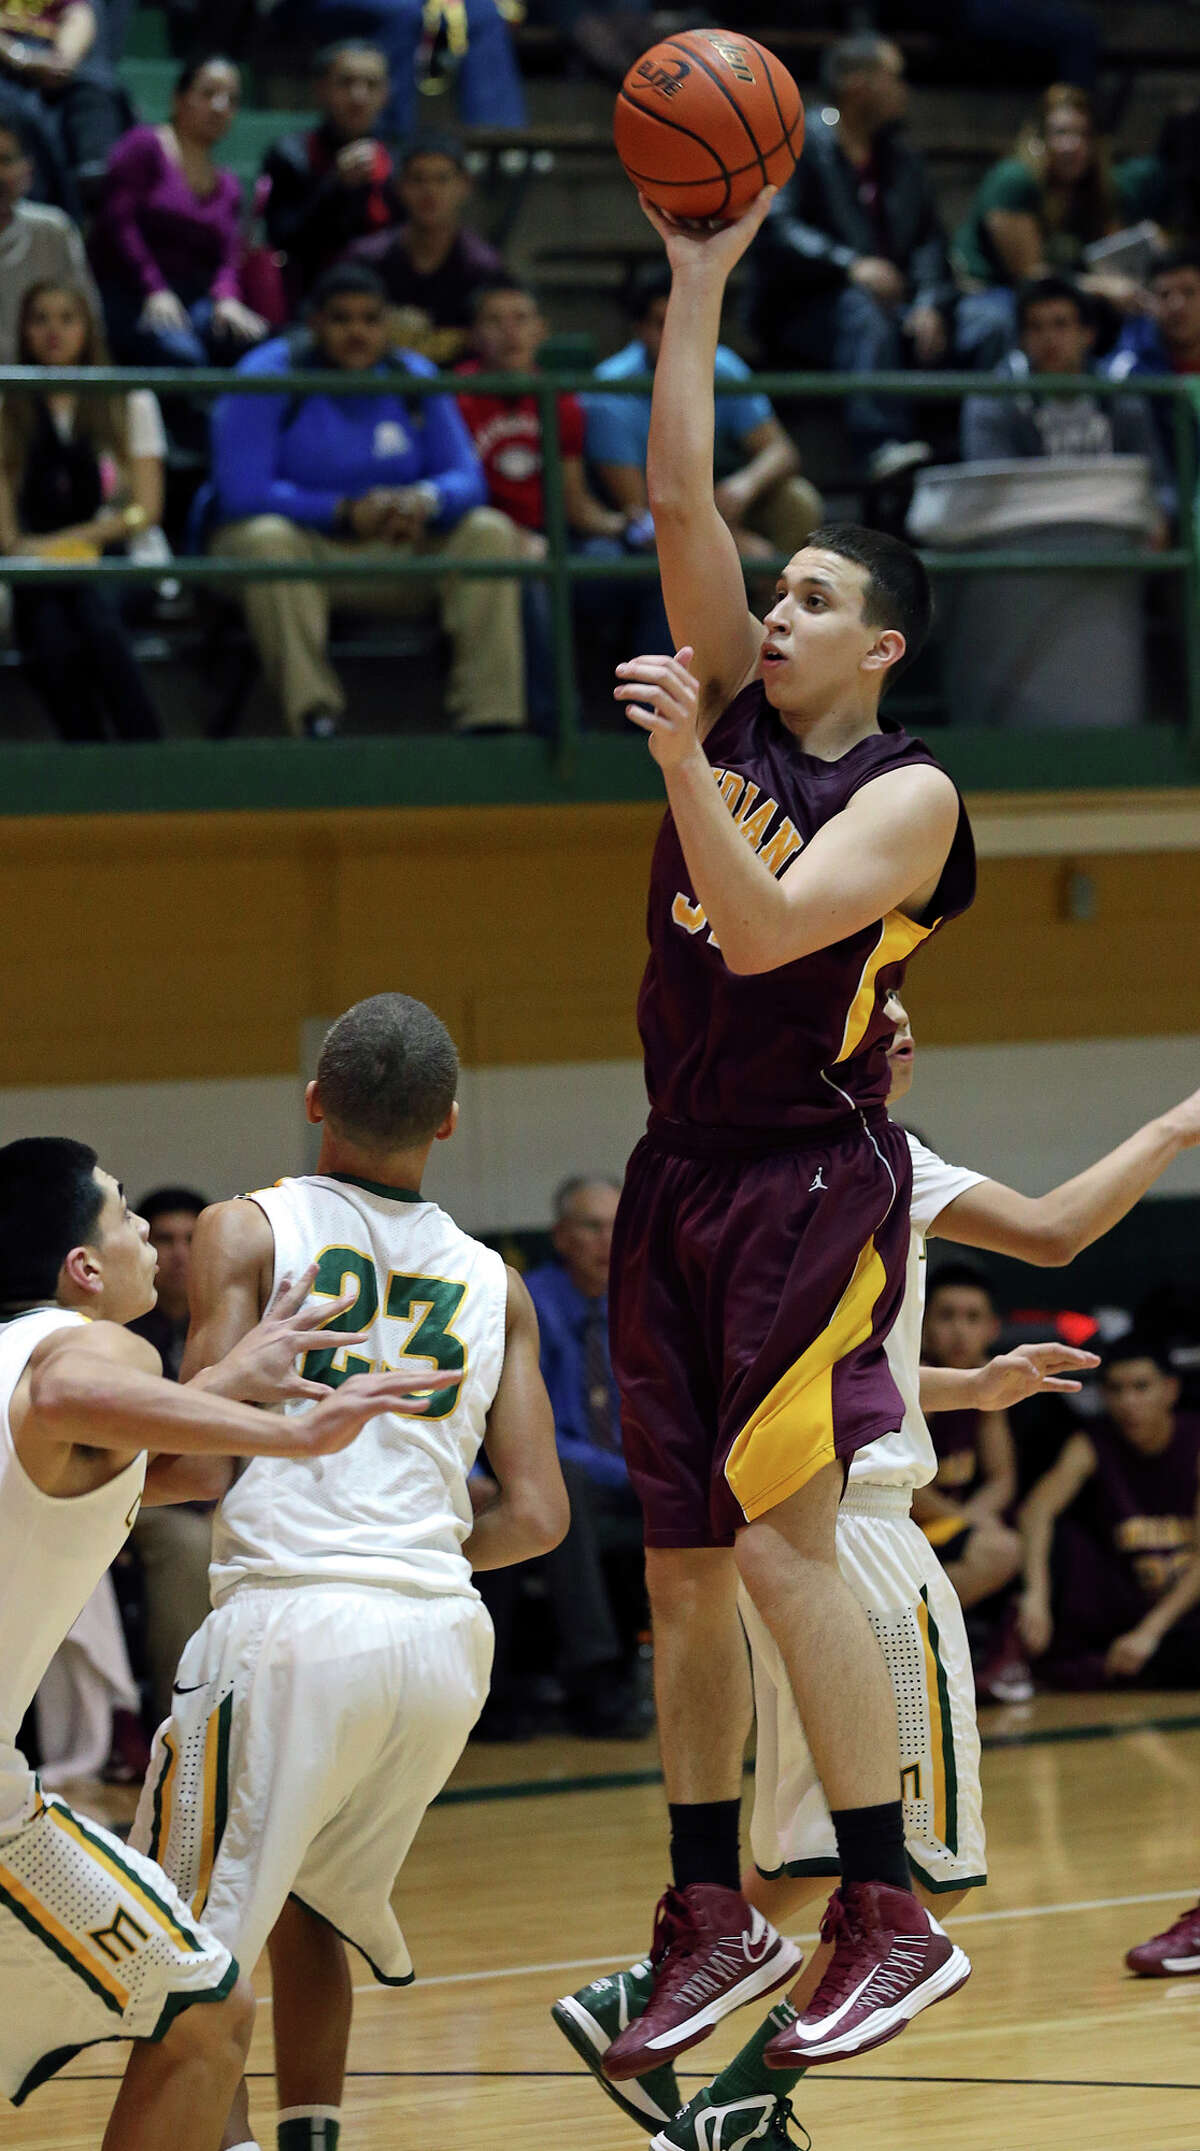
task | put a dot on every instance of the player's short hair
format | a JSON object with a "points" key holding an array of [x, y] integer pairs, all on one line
{"points": [[49, 1203], [566, 1191], [346, 279], [851, 56], [1041, 290], [1135, 1344], [483, 292], [898, 593], [646, 283], [160, 1202], [345, 48], [962, 1277], [1178, 257], [388, 1073]]}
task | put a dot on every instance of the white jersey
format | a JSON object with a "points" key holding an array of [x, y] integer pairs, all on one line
{"points": [[53, 1551], [907, 1458], [393, 1508]]}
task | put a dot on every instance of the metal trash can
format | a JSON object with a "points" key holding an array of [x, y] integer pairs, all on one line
{"points": [[1047, 650]]}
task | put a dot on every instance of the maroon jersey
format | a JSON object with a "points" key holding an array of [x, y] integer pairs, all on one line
{"points": [[803, 1045], [1145, 1505], [955, 1437]]}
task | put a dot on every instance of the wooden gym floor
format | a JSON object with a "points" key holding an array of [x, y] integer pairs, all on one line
{"points": [[542, 1868]]}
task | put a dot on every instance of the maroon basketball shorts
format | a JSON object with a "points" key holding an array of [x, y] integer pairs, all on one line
{"points": [[751, 1292]]}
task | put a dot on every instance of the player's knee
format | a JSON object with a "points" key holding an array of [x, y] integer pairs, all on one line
{"points": [[487, 532], [216, 2035], [995, 1555], [689, 1583], [261, 537]]}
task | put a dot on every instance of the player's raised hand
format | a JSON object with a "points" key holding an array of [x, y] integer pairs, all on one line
{"points": [[343, 1412], [662, 696], [262, 1367], [715, 247], [1035, 1370]]}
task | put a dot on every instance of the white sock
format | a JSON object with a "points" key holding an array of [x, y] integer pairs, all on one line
{"points": [[307, 2113], [249, 2145]]}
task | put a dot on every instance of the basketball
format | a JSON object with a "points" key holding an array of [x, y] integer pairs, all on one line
{"points": [[705, 120]]}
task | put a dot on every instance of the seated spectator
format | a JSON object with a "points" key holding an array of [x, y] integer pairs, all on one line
{"points": [[167, 239], [1167, 338], [1039, 209], [1057, 335], [433, 267], [1112, 1595], [571, 1297], [38, 244], [429, 45], [334, 477], [173, 1541], [769, 508], [79, 473], [55, 77], [962, 1513], [507, 334], [851, 270], [335, 184]]}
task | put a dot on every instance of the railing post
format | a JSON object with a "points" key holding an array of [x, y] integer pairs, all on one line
{"points": [[557, 539], [1185, 411]]}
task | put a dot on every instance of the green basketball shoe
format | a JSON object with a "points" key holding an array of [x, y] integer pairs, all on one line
{"points": [[591, 2018], [705, 2125]]}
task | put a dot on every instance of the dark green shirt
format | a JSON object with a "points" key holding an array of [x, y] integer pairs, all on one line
{"points": [[1011, 185]]}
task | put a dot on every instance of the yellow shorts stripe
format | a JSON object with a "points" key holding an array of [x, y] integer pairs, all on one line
{"points": [[127, 1878], [941, 1733], [941, 1529], [791, 1435], [216, 1767], [40, 1921]]}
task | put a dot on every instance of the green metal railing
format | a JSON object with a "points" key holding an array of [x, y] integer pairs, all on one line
{"points": [[561, 569]]}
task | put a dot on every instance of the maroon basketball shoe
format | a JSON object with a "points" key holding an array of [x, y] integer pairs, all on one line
{"points": [[890, 1960], [710, 1954], [1169, 1955]]}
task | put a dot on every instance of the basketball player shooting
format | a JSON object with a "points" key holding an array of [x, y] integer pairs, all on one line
{"points": [[760, 1249]]}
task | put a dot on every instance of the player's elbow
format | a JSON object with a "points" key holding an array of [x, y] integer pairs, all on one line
{"points": [[1051, 1242], [551, 1519]]}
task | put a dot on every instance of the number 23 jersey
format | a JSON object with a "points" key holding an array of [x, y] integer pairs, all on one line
{"points": [[393, 1508]]}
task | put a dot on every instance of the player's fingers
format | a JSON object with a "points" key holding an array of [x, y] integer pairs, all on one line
{"points": [[647, 719], [289, 1295], [324, 1312], [1059, 1386]]}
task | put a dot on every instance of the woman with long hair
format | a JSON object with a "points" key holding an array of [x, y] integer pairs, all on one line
{"points": [[80, 472], [167, 237], [1036, 211]]}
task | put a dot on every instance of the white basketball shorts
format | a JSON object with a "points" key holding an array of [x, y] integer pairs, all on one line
{"points": [[311, 1727], [95, 1944], [897, 1578]]}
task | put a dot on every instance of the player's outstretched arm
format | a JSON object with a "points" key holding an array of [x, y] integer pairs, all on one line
{"points": [[1039, 1512], [702, 580], [1052, 1229], [531, 1513], [1033, 1371]]}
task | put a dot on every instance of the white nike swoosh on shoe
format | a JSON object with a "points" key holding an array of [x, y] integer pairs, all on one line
{"points": [[1181, 1964]]}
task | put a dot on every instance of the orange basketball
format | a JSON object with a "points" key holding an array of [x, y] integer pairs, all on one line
{"points": [[705, 120]]}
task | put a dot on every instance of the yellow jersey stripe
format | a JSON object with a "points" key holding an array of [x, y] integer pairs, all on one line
{"points": [[791, 1435], [898, 937], [41, 1922]]}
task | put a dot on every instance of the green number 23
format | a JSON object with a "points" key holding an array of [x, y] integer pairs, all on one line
{"points": [[431, 1302]]}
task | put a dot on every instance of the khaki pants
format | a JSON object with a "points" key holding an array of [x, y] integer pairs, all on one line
{"points": [[786, 514], [289, 621], [174, 1545]]}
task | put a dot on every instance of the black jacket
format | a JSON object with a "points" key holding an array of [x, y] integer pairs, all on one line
{"points": [[310, 216], [818, 228]]}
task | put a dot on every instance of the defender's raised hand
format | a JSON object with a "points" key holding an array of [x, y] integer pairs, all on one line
{"points": [[262, 1368], [1035, 1370], [344, 1412]]}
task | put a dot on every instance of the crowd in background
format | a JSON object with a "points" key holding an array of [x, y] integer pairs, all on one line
{"points": [[356, 251]]}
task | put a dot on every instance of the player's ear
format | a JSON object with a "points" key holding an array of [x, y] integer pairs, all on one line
{"points": [[448, 1126], [82, 1271], [887, 650], [312, 1105]]}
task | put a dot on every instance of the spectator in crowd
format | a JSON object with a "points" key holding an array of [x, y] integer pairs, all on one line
{"points": [[769, 508], [337, 183], [1112, 1538], [79, 474], [173, 1541], [38, 244], [1167, 339], [507, 334], [1056, 335], [167, 239], [319, 478], [963, 1512], [1041, 208], [571, 1297], [429, 45], [54, 74], [851, 269], [434, 266]]}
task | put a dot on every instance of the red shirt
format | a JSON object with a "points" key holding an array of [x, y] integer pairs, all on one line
{"points": [[508, 441]]}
